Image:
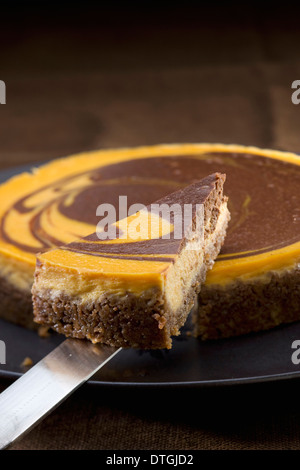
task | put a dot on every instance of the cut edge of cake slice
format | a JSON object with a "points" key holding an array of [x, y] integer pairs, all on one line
{"points": [[134, 293]]}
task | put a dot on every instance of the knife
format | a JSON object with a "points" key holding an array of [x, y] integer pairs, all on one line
{"points": [[48, 383]]}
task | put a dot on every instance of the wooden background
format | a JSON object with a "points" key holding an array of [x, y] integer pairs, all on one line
{"points": [[85, 77]]}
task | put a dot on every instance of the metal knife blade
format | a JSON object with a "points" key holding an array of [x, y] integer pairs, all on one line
{"points": [[34, 395]]}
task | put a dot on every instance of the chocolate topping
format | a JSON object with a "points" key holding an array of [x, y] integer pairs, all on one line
{"points": [[197, 193], [264, 197]]}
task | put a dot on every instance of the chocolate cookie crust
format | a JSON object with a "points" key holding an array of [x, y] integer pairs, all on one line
{"points": [[16, 305], [245, 307]]}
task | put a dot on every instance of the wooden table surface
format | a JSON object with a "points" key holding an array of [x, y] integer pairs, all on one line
{"points": [[86, 79]]}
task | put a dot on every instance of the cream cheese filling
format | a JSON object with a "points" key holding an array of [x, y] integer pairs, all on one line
{"points": [[17, 273], [185, 271], [174, 282]]}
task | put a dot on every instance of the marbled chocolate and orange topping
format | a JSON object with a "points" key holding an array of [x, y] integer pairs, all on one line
{"points": [[143, 247], [56, 204]]}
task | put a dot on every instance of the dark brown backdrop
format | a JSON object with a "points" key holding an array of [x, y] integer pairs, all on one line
{"points": [[86, 77]]}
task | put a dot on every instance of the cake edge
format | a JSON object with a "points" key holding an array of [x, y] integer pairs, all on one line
{"points": [[254, 305]]}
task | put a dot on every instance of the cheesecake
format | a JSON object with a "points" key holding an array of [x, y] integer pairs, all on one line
{"points": [[254, 283], [134, 284]]}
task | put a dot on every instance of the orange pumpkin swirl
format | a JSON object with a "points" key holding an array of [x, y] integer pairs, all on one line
{"points": [[57, 203]]}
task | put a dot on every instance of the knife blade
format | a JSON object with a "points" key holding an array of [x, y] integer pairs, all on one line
{"points": [[36, 393]]}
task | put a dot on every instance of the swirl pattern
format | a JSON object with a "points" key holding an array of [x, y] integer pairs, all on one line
{"points": [[263, 195]]}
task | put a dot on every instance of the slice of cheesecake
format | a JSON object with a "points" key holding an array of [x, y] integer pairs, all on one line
{"points": [[134, 284]]}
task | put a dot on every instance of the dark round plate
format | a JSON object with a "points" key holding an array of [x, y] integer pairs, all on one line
{"points": [[257, 357]]}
